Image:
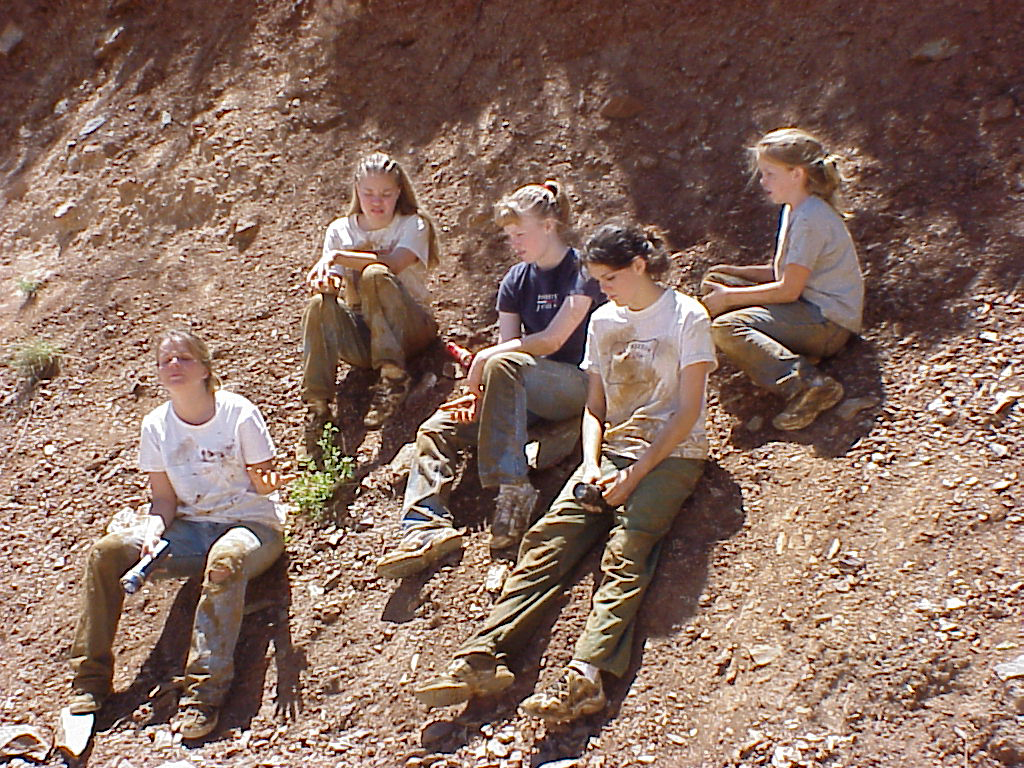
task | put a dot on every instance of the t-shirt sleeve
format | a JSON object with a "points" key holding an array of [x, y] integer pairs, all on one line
{"points": [[338, 236], [150, 457], [510, 297], [254, 437], [695, 339], [590, 360], [584, 285], [415, 235], [807, 241]]}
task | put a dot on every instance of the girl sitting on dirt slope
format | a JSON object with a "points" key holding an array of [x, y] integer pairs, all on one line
{"points": [[380, 253], [648, 356], [210, 461], [531, 374], [771, 319]]}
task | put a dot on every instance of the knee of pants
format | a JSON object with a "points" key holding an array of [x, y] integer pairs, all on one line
{"points": [[504, 364], [315, 305], [627, 552], [376, 272], [225, 563], [115, 551]]}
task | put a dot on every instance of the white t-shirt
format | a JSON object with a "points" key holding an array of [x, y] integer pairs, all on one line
{"points": [[813, 235], [410, 232], [206, 462], [639, 356]]}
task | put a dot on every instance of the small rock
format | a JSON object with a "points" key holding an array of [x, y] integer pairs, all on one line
{"points": [[113, 41], [10, 37], [244, 233], [165, 118], [854, 405], [622, 107], [993, 112], [955, 603], [495, 577], [163, 739], [92, 126], [762, 655], [1011, 670], [23, 741], [755, 423], [935, 50], [569, 762], [437, 731], [177, 764]]}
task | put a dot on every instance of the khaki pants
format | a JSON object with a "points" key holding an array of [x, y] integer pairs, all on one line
{"points": [[389, 327], [551, 549], [245, 550]]}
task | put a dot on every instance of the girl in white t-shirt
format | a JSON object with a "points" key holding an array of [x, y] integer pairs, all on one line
{"points": [[772, 319], [210, 462], [648, 355], [377, 256]]}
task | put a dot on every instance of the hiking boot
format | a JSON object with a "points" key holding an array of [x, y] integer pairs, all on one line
{"points": [[420, 547], [478, 674], [388, 396], [821, 393], [196, 721], [513, 513], [85, 702], [572, 696], [318, 415]]}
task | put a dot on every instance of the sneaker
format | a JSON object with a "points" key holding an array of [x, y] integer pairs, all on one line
{"points": [[422, 546], [821, 393], [478, 674], [388, 397], [318, 415], [572, 696], [196, 721], [85, 703], [513, 513]]}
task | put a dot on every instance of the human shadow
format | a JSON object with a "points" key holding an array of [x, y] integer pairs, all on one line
{"points": [[713, 513], [835, 431], [155, 691]]}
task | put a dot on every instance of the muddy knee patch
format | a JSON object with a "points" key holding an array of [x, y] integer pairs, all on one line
{"points": [[627, 550], [226, 560]]}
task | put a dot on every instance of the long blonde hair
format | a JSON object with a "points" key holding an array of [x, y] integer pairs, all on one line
{"points": [[197, 347], [381, 164], [797, 148]]}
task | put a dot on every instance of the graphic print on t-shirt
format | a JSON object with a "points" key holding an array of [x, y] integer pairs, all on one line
{"points": [[547, 302], [632, 362]]}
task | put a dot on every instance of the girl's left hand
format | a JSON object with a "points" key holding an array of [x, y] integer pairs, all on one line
{"points": [[618, 486], [716, 300]]}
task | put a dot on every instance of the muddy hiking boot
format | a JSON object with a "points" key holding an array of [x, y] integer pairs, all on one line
{"points": [[513, 514], [572, 696], [196, 721], [388, 396], [820, 394], [420, 547], [86, 703], [468, 677]]}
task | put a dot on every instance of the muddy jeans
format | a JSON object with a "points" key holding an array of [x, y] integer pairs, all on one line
{"points": [[771, 344], [519, 389], [389, 327], [551, 549], [245, 550]]}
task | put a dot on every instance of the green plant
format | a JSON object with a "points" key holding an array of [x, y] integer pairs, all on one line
{"points": [[29, 287], [312, 489], [37, 360]]}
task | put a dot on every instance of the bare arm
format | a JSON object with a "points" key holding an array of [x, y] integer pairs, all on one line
{"points": [[592, 435], [689, 399], [265, 478], [758, 273], [320, 279], [722, 298], [162, 509]]}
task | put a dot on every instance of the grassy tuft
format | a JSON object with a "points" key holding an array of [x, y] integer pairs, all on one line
{"points": [[36, 360], [312, 490], [29, 287]]}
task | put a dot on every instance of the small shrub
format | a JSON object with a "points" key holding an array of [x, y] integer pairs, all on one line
{"points": [[312, 490], [36, 361], [29, 287]]}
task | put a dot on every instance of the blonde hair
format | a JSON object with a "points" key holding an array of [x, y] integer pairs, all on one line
{"points": [[796, 148], [197, 347], [381, 164], [545, 201]]}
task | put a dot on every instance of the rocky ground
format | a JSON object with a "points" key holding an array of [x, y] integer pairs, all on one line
{"points": [[842, 596]]}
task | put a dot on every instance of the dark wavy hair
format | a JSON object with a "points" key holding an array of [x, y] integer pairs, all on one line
{"points": [[616, 245]]}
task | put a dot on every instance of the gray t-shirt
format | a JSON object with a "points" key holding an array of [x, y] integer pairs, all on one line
{"points": [[813, 235]]}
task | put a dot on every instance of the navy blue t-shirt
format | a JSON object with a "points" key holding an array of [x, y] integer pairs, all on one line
{"points": [[536, 295]]}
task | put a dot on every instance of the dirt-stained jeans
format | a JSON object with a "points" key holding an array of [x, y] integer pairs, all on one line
{"points": [[551, 549], [771, 344], [389, 327], [227, 555], [519, 389]]}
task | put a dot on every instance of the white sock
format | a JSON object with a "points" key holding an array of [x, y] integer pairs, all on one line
{"points": [[588, 670]]}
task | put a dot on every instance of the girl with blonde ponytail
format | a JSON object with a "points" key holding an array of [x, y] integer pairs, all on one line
{"points": [[772, 319], [532, 374]]}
